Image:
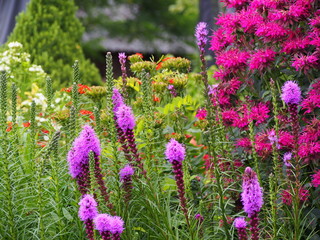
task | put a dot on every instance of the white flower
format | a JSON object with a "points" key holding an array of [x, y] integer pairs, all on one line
{"points": [[4, 68], [35, 68], [15, 45], [46, 138]]}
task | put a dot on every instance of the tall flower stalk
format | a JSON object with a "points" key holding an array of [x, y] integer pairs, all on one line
{"points": [[175, 154], [126, 179], [201, 35], [252, 200], [87, 212], [122, 60], [291, 95]]}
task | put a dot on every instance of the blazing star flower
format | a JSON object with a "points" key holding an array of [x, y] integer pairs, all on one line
{"points": [[88, 208], [125, 118], [251, 195], [122, 58], [291, 93], [125, 172], [117, 99], [175, 151], [240, 222], [117, 225], [103, 222], [286, 159], [79, 153], [201, 34]]}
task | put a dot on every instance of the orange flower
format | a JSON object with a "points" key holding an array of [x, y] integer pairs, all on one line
{"points": [[159, 66], [9, 128], [156, 99], [87, 112], [81, 89], [26, 124], [139, 54], [171, 81]]}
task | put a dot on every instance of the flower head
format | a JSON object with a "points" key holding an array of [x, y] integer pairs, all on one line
{"points": [[88, 208], [116, 99], [251, 195], [125, 118], [122, 58], [126, 171], [286, 159], [240, 222], [79, 153], [117, 225], [291, 93], [201, 33], [103, 222], [175, 151]]}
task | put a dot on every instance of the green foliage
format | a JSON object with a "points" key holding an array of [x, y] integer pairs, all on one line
{"points": [[51, 33]]}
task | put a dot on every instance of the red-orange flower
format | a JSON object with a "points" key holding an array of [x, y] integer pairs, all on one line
{"points": [[26, 124], [9, 128], [81, 89], [87, 112], [156, 99]]}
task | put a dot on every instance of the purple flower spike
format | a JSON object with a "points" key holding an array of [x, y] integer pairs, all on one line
{"points": [[175, 151], [286, 159], [116, 99], [79, 154], [240, 222], [125, 172], [122, 58], [251, 195], [88, 208], [125, 118], [201, 33], [103, 222], [117, 225], [291, 93]]}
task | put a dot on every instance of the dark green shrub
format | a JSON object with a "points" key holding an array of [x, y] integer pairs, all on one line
{"points": [[51, 33]]}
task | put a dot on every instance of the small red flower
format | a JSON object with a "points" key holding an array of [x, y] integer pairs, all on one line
{"points": [[26, 124], [9, 128], [171, 81], [87, 112], [139, 54], [45, 131], [156, 99]]}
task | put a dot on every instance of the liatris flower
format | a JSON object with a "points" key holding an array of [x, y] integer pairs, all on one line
{"points": [[110, 227], [125, 118], [240, 224], [117, 227], [291, 93], [175, 154], [122, 60], [78, 157], [252, 200], [126, 178], [116, 99], [126, 122], [201, 34], [103, 223], [287, 158], [87, 212]]}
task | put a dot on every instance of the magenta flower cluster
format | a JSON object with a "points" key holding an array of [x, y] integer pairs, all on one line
{"points": [[79, 153]]}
